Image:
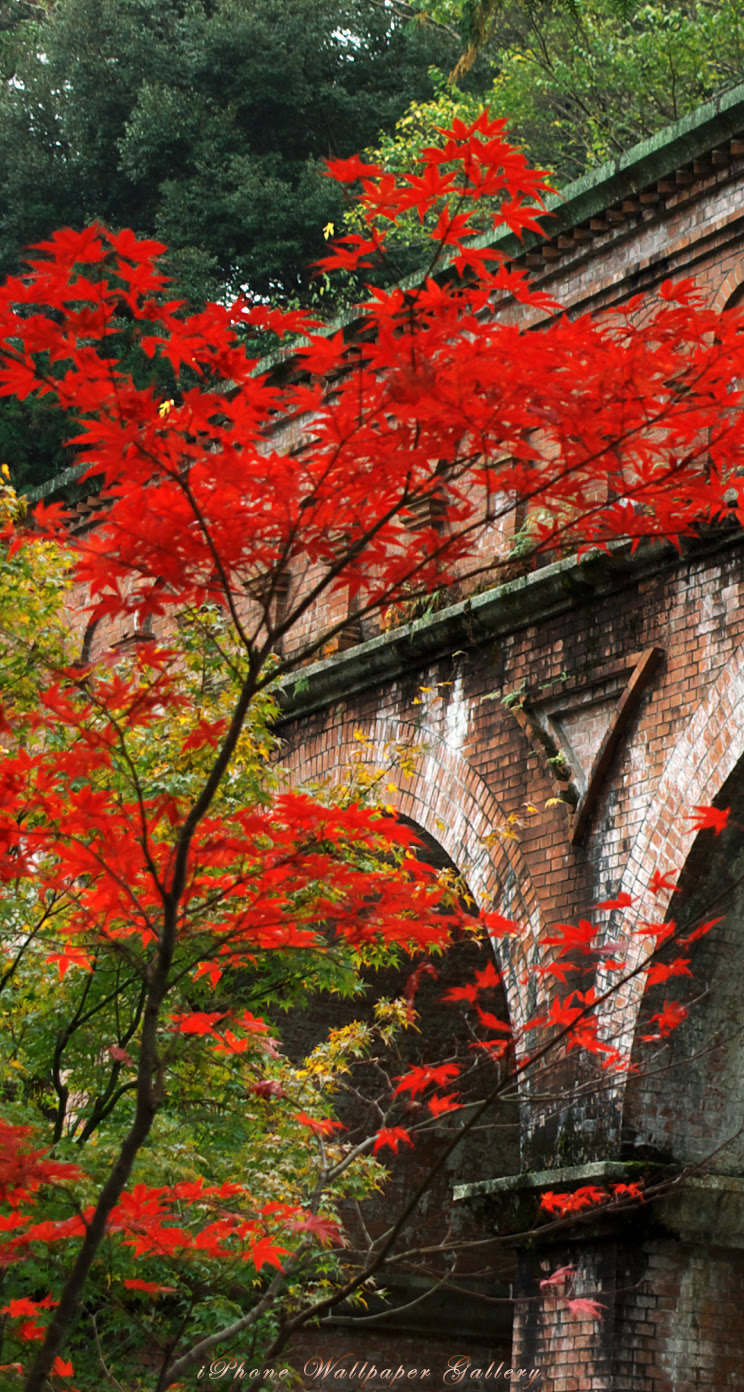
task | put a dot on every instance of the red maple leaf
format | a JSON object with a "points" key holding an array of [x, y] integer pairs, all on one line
{"points": [[70, 956], [422, 1076], [668, 1019], [571, 937], [565, 1203], [17, 1309], [580, 1305], [662, 971], [62, 1367], [347, 171], [468, 992], [627, 1191], [713, 818], [266, 1251], [149, 1287], [701, 930], [623, 901], [556, 969], [392, 1136], [267, 1087], [558, 1277], [231, 1044], [197, 1021], [500, 927], [662, 881], [326, 1230], [446, 1103], [495, 1048], [488, 977], [322, 1126], [30, 1331], [492, 1022]]}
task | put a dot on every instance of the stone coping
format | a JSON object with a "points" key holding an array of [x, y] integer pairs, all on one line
{"points": [[483, 618], [703, 1209], [545, 1179], [597, 1171]]}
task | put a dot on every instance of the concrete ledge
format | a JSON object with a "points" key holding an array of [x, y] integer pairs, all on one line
{"points": [[593, 1172], [702, 1209], [707, 1209], [518, 604]]}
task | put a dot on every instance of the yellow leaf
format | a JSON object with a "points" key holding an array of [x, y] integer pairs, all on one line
{"points": [[328, 230]]}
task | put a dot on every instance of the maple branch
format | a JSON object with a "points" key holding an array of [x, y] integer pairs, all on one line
{"points": [[63, 1038], [106, 1371], [409, 1305], [148, 1096], [174, 1371], [50, 912], [182, 479]]}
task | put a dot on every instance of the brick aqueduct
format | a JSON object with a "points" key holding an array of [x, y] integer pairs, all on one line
{"points": [[626, 679]]}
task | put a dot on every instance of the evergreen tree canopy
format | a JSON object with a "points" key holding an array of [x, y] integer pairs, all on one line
{"points": [[203, 123]]}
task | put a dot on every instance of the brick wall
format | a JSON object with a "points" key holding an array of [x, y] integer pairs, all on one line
{"points": [[480, 764], [489, 716]]}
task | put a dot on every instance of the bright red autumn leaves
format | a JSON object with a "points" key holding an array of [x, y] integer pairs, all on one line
{"points": [[472, 391], [436, 394]]}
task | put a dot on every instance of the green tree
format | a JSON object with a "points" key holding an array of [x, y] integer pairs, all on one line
{"points": [[70, 1020], [580, 83], [204, 123]]}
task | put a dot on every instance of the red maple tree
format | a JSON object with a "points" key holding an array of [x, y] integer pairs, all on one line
{"points": [[449, 402]]}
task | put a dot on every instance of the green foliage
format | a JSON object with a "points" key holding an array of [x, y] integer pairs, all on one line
{"points": [[580, 83], [202, 122], [69, 1038], [408, 244], [34, 632], [580, 92]]}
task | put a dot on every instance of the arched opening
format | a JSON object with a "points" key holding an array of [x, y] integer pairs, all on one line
{"points": [[448, 1293], [683, 1117], [686, 1103]]}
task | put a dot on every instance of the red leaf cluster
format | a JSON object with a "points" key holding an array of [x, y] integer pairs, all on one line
{"points": [[442, 399]]}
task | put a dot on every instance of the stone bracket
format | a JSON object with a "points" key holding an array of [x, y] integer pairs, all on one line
{"points": [[579, 759]]}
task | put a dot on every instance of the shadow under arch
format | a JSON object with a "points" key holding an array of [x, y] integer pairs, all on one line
{"points": [[702, 760], [686, 1105], [731, 293], [442, 1229], [452, 804]]}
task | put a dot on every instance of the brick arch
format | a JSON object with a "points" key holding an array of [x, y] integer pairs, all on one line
{"points": [[703, 757], [449, 800], [726, 292]]}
